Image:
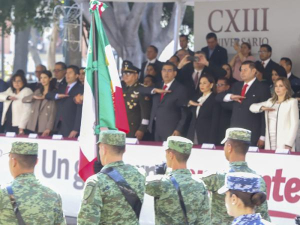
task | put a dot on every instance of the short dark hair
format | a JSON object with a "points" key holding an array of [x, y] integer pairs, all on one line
{"points": [[14, 78], [20, 72], [176, 57], [81, 68], [184, 36], [43, 66], [155, 48], [74, 68], [250, 199], [180, 157], [153, 79], [211, 35], [25, 161], [287, 61], [250, 63], [168, 63], [279, 70], [259, 67], [62, 64], [116, 149], [268, 47], [154, 66], [226, 81], [240, 147], [200, 52]]}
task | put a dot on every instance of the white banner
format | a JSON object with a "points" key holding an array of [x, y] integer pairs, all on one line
{"points": [[273, 22], [58, 169]]}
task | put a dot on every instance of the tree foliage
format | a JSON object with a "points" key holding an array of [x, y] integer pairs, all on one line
{"points": [[23, 13]]}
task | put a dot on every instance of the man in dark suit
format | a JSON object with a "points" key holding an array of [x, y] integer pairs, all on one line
{"points": [[244, 93], [68, 115], [60, 70], [214, 52], [265, 53], [286, 63], [190, 72], [151, 54], [183, 42], [169, 112], [38, 71]]}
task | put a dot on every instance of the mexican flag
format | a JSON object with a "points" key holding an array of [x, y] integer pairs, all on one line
{"points": [[109, 101]]}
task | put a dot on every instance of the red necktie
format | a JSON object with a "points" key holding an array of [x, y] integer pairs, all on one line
{"points": [[244, 91], [67, 90], [263, 63], [162, 94], [196, 79]]}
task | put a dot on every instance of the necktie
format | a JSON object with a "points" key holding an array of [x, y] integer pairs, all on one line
{"points": [[67, 90], [196, 79], [162, 94], [263, 63], [244, 90]]}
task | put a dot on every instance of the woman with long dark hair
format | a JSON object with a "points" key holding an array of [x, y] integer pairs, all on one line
{"points": [[205, 113], [42, 110], [281, 116], [15, 113]]}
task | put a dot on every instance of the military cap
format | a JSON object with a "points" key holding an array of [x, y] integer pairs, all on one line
{"points": [[127, 66], [241, 181], [112, 137], [238, 134], [24, 148], [179, 144]]}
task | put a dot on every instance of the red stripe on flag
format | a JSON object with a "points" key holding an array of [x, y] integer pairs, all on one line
{"points": [[86, 168], [274, 213], [120, 111]]}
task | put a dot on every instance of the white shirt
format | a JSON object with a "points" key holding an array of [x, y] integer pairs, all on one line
{"points": [[201, 100], [289, 74], [266, 62], [169, 84]]}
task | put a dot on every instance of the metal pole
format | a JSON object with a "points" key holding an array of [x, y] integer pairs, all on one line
{"points": [[95, 76], [2, 53], [177, 24]]}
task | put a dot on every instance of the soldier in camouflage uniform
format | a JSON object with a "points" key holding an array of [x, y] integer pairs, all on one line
{"points": [[37, 204], [236, 146], [103, 201], [138, 106], [243, 193], [195, 196]]}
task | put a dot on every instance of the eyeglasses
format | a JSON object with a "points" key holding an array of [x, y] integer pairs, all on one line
{"points": [[17, 81], [220, 85], [127, 73], [56, 71], [262, 52]]}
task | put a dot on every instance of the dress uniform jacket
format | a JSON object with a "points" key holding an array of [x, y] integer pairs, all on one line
{"points": [[42, 113], [104, 203], [215, 181], [37, 204], [138, 108], [167, 205]]}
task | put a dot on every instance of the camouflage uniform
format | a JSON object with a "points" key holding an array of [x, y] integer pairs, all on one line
{"points": [[195, 196], [103, 202], [216, 180], [37, 204], [248, 183]]}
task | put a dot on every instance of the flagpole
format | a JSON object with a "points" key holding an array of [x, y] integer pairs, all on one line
{"points": [[95, 76]]}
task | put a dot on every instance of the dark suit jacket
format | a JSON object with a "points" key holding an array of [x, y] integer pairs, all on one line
{"points": [[68, 113], [267, 75], [34, 86], [295, 83], [218, 57], [224, 121], [57, 85], [170, 113], [206, 124], [241, 115], [158, 65], [185, 77]]}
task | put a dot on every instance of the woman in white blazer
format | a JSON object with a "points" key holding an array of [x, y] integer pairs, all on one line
{"points": [[281, 116], [15, 113]]}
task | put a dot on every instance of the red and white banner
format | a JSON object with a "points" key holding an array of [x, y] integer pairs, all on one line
{"points": [[58, 169]]}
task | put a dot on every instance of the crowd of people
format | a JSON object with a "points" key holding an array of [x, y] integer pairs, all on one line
{"points": [[197, 95]]}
